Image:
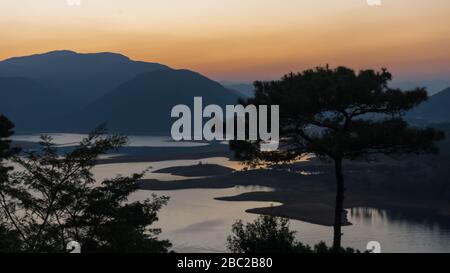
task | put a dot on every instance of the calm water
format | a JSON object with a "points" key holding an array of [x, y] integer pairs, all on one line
{"points": [[194, 221], [133, 141]]}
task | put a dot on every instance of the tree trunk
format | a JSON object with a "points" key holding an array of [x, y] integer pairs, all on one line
{"points": [[339, 206]]}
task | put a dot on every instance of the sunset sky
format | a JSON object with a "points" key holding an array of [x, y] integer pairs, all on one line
{"points": [[240, 40]]}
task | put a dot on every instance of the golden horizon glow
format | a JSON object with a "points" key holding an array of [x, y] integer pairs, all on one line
{"points": [[239, 40]]}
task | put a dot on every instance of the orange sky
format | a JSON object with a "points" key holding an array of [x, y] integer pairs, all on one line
{"points": [[240, 40]]}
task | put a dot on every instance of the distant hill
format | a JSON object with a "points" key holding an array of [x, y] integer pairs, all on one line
{"points": [[432, 86], [29, 104], [143, 104], [435, 110], [65, 91], [80, 78], [246, 90]]}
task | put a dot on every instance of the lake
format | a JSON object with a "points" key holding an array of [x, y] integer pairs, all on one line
{"points": [[64, 140], [195, 222]]}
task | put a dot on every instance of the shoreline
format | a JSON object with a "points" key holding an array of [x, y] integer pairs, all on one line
{"points": [[305, 189], [308, 198]]}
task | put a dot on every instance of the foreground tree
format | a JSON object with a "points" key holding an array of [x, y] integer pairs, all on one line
{"points": [[339, 114], [6, 131], [9, 239], [55, 199], [270, 234]]}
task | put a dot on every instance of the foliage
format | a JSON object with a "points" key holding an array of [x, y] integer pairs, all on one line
{"points": [[6, 130], [54, 199], [339, 114], [9, 239], [271, 234]]}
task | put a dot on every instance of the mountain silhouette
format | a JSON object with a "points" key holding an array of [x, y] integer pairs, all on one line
{"points": [[435, 110], [65, 91], [143, 104], [79, 78], [29, 104], [246, 90]]}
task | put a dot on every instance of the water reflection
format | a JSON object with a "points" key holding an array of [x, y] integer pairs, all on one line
{"points": [[105, 171], [195, 222], [398, 230], [66, 140]]}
